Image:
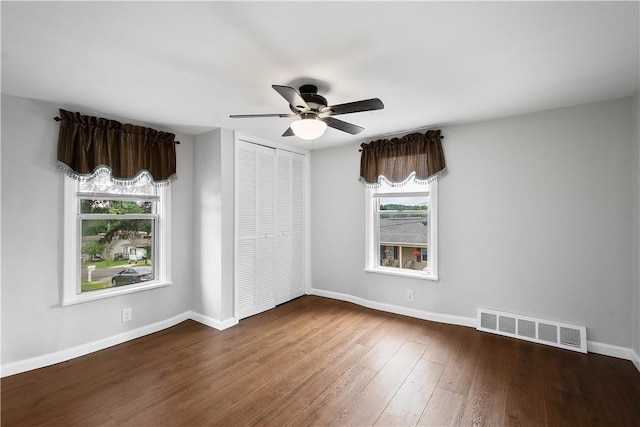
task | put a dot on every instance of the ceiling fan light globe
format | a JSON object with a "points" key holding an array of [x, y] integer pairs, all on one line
{"points": [[308, 128]]}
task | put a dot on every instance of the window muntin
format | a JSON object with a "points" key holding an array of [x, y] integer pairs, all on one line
{"points": [[402, 230], [111, 227]]}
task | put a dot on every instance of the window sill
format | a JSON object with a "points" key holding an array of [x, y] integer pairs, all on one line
{"points": [[414, 274], [113, 292]]}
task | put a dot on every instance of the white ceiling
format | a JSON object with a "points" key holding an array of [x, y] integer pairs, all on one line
{"points": [[189, 65]]}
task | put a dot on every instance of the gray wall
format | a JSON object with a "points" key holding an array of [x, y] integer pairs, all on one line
{"points": [[33, 321], [535, 218], [212, 295]]}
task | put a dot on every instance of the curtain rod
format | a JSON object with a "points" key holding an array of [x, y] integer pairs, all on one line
{"points": [[405, 132], [397, 134], [57, 119]]}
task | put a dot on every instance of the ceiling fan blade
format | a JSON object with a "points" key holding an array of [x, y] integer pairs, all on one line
{"points": [[343, 126], [352, 107], [288, 132], [292, 96], [245, 116]]}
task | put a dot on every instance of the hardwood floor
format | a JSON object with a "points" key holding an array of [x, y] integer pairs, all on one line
{"points": [[316, 361]]}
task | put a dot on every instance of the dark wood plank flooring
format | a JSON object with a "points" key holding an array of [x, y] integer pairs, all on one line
{"points": [[317, 361]]}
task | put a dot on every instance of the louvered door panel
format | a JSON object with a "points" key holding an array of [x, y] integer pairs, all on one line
{"points": [[245, 293], [283, 267], [297, 192], [255, 227], [283, 221], [246, 190], [297, 264], [283, 192], [297, 225], [265, 274], [266, 192], [265, 268], [290, 220], [246, 194]]}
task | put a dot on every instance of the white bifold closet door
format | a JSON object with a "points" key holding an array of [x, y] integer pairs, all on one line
{"points": [[255, 229], [269, 255], [289, 259]]}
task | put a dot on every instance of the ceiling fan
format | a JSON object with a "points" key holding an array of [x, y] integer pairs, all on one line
{"points": [[314, 113]]}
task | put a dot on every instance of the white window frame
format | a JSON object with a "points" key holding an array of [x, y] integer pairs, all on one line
{"points": [[372, 245], [71, 293]]}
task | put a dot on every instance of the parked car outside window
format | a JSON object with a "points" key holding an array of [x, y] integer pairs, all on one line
{"points": [[132, 275]]}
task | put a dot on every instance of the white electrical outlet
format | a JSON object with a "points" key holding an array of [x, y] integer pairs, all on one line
{"points": [[410, 295], [126, 314]]}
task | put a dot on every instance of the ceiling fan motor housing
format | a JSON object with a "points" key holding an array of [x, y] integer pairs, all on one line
{"points": [[310, 94], [308, 89]]}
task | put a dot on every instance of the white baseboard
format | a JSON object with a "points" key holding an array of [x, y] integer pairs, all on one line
{"points": [[592, 347], [396, 309], [636, 360], [614, 351], [610, 350], [213, 323], [81, 350]]}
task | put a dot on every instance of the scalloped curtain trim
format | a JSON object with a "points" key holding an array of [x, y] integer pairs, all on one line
{"points": [[140, 176], [410, 179]]}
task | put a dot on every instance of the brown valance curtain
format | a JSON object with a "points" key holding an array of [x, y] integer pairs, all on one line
{"points": [[398, 158], [86, 143]]}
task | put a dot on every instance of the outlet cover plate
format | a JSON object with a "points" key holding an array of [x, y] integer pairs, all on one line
{"points": [[411, 296]]}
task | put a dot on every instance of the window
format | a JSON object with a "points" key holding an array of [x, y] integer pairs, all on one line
{"points": [[402, 230], [116, 237]]}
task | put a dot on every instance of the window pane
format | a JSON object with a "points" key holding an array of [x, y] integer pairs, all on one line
{"points": [[405, 228], [403, 237], [119, 250], [97, 206], [404, 203]]}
